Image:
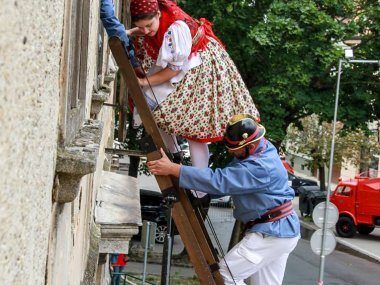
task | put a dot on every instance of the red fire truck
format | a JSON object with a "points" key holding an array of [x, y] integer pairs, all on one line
{"points": [[358, 202]]}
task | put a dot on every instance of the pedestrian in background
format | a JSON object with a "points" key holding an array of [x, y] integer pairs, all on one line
{"points": [[118, 262]]}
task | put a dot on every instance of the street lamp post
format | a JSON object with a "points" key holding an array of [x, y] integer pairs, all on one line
{"points": [[348, 60]]}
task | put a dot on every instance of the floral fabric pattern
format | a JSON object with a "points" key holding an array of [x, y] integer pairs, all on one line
{"points": [[205, 99]]}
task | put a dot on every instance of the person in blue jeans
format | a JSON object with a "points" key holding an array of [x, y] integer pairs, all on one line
{"points": [[118, 263], [116, 29]]}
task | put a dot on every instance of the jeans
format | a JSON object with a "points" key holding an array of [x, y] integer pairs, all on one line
{"points": [[116, 277], [116, 29]]}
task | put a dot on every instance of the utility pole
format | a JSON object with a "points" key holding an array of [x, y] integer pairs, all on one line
{"points": [[348, 60]]}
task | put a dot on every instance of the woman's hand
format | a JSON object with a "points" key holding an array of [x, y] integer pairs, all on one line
{"points": [[134, 32], [142, 81], [164, 166]]}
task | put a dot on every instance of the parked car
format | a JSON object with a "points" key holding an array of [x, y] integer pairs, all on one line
{"points": [[296, 182], [222, 201], [154, 209], [184, 147], [309, 197]]}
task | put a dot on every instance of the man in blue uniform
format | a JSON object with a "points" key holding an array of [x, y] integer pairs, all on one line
{"points": [[258, 184]]}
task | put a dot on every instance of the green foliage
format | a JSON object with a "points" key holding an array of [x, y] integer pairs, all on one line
{"points": [[286, 51], [359, 149], [314, 139], [219, 156]]}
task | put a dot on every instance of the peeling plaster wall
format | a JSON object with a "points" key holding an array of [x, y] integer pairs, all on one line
{"points": [[42, 242], [30, 47], [74, 249]]}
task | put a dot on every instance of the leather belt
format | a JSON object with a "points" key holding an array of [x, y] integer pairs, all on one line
{"points": [[272, 215]]}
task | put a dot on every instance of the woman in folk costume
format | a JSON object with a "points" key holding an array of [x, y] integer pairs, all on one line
{"points": [[190, 76]]}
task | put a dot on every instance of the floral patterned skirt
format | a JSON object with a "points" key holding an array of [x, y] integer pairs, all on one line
{"points": [[206, 98]]}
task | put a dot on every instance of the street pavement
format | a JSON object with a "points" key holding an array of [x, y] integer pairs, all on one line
{"points": [[367, 246], [364, 246]]}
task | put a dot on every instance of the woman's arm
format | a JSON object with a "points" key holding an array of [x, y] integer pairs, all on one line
{"points": [[134, 32], [159, 77]]}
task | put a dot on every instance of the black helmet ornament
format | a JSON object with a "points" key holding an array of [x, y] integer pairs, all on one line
{"points": [[242, 130]]}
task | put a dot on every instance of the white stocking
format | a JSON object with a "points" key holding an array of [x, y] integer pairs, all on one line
{"points": [[170, 142], [199, 158]]}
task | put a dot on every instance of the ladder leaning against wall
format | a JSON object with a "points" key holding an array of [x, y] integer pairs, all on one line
{"points": [[188, 222]]}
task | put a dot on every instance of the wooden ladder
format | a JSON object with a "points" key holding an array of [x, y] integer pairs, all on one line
{"points": [[188, 221]]}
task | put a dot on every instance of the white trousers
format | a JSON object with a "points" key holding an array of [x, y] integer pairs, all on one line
{"points": [[259, 257]]}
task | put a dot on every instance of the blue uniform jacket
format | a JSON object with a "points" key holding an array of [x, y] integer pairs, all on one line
{"points": [[256, 185], [116, 29]]}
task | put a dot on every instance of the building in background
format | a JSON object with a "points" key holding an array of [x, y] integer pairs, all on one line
{"points": [[345, 170]]}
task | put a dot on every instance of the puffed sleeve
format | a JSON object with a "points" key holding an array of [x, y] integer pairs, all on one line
{"points": [[176, 47]]}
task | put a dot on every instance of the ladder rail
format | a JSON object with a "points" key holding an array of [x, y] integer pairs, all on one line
{"points": [[195, 237]]}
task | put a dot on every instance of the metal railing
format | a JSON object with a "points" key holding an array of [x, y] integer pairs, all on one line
{"points": [[123, 279]]}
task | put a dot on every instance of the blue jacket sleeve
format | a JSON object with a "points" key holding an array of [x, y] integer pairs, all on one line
{"points": [[238, 178], [114, 28]]}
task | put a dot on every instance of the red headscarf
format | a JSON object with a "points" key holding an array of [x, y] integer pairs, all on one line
{"points": [[170, 12], [141, 7]]}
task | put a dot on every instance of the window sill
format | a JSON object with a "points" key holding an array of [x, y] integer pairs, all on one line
{"points": [[77, 160]]}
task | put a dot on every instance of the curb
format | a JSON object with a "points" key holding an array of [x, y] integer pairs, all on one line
{"points": [[307, 230]]}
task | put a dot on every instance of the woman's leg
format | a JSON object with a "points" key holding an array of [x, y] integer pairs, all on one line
{"points": [[170, 142], [199, 154], [199, 158]]}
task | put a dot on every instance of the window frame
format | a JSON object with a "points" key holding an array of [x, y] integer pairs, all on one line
{"points": [[74, 68]]}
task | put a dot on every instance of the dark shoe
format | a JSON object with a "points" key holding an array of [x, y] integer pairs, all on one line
{"points": [[178, 157]]}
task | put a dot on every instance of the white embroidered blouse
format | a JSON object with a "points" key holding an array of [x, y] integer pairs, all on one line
{"points": [[174, 54], [175, 50]]}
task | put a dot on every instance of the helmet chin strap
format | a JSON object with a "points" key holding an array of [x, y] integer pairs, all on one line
{"points": [[246, 151], [246, 154]]}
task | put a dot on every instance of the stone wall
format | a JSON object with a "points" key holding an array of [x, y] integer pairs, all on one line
{"points": [[30, 47], [44, 240]]}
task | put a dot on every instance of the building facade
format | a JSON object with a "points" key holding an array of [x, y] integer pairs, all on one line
{"points": [[55, 76]]}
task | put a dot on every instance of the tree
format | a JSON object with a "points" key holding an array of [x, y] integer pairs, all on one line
{"points": [[287, 51], [359, 149], [313, 138]]}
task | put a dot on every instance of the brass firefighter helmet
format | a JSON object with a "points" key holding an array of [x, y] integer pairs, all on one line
{"points": [[242, 130]]}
